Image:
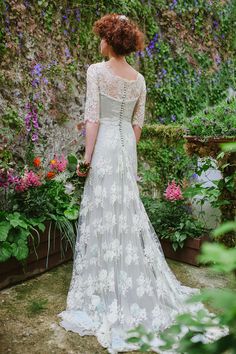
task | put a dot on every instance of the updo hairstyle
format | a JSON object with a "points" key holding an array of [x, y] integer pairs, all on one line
{"points": [[121, 33]]}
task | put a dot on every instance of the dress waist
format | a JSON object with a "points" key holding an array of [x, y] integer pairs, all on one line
{"points": [[114, 121]]}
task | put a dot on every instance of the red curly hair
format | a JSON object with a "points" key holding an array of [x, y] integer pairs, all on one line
{"points": [[121, 33]]}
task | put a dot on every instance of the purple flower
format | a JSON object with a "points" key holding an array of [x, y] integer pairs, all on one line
{"points": [[161, 120], [34, 137], [194, 176], [83, 132], [173, 118], [37, 70], [45, 80], [67, 52]]}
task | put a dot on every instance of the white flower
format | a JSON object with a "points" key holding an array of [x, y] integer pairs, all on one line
{"points": [[123, 17], [69, 188]]}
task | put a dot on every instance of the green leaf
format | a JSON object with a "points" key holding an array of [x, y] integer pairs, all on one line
{"points": [[133, 340], [71, 214], [4, 229], [20, 250], [15, 220], [224, 228], [5, 251]]}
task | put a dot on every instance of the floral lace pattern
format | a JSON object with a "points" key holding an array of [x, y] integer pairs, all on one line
{"points": [[120, 277], [101, 80]]}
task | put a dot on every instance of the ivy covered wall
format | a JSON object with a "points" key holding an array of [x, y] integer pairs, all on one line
{"points": [[46, 47]]}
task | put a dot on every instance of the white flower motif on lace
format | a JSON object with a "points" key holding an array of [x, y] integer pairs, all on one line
{"points": [[80, 263], [103, 167], [144, 286], [115, 193], [76, 295], [125, 282], [161, 317], [137, 224], [129, 194], [112, 250], [138, 315], [123, 223], [120, 164], [85, 205], [106, 280], [84, 233], [149, 254], [98, 227], [113, 311], [110, 220], [99, 195], [131, 254], [90, 285], [94, 260]]}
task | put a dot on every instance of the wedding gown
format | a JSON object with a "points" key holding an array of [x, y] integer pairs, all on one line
{"points": [[120, 276]]}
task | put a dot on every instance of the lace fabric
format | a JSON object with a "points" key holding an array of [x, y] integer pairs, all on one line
{"points": [[120, 277], [101, 79]]}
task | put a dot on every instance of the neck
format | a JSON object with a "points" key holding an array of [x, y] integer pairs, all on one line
{"points": [[119, 59]]}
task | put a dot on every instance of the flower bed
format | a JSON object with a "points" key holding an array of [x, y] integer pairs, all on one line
{"points": [[188, 254], [51, 251]]}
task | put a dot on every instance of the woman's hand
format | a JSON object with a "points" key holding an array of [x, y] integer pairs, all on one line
{"points": [[83, 167]]}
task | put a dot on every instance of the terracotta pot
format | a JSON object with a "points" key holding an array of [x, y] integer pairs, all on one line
{"points": [[13, 271], [188, 254]]}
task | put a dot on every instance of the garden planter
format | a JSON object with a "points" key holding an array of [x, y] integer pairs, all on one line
{"points": [[13, 271], [188, 254], [210, 146]]}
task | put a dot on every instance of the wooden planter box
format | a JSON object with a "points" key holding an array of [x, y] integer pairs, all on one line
{"points": [[188, 254], [13, 271], [209, 139]]}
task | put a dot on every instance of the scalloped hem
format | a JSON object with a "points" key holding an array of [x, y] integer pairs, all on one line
{"points": [[113, 338]]}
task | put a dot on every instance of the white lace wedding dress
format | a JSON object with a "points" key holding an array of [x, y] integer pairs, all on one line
{"points": [[120, 276]]}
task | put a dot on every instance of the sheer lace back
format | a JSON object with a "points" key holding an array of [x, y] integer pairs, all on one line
{"points": [[101, 79]]}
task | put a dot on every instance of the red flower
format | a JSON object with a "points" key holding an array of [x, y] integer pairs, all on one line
{"points": [[50, 174], [37, 161]]}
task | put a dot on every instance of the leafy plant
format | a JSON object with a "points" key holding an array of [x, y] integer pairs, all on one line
{"points": [[216, 121], [173, 221], [15, 229]]}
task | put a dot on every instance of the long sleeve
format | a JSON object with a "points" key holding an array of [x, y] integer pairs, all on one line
{"points": [[92, 104], [139, 109]]}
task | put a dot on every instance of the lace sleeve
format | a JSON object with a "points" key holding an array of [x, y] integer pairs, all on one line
{"points": [[92, 106], [139, 109]]}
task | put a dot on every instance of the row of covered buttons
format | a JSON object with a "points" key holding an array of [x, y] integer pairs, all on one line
{"points": [[121, 114]]}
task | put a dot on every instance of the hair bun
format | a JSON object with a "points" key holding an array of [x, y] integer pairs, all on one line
{"points": [[120, 32]]}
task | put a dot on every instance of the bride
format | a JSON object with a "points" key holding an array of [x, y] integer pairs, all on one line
{"points": [[120, 277]]}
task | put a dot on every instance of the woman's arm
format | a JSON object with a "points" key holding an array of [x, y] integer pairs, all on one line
{"points": [[91, 131], [139, 112], [137, 131], [91, 112]]}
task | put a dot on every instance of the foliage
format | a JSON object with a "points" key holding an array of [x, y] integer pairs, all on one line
{"points": [[15, 229], [162, 157], [216, 121], [188, 333], [193, 340], [173, 221], [188, 60], [54, 199]]}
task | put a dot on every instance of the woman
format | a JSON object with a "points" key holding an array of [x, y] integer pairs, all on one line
{"points": [[120, 277]]}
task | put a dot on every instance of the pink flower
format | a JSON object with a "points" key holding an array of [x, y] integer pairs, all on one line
{"points": [[173, 192], [58, 164], [29, 179]]}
